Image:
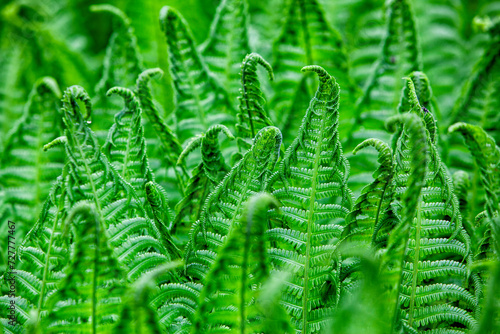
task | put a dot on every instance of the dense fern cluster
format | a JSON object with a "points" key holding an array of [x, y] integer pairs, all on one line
{"points": [[321, 183]]}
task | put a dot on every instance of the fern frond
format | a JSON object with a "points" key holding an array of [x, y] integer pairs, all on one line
{"points": [[125, 146], [200, 100], [89, 297], [251, 113], [306, 38], [393, 259], [137, 315], [227, 44], [242, 266], [434, 231], [224, 205], [206, 176], [221, 212], [311, 186], [490, 320], [480, 101], [92, 177], [27, 171], [487, 156], [167, 137], [370, 212], [379, 99], [123, 62]]}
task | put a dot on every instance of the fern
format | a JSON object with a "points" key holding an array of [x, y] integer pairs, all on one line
{"points": [[311, 186], [372, 208], [94, 283], [27, 172], [479, 99], [227, 44], [222, 209], [232, 285], [487, 156], [205, 177], [251, 114], [198, 94], [136, 313], [123, 62], [428, 280], [306, 38]]}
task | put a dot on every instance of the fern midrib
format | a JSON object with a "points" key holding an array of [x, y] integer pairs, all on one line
{"points": [[127, 151], [245, 93], [416, 260], [91, 180], [379, 208], [47, 257], [244, 278], [310, 222], [242, 197]]}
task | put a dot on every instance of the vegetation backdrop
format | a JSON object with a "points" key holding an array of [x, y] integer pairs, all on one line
{"points": [[249, 166]]}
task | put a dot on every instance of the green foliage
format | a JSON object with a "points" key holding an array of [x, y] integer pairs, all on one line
{"points": [[311, 185], [27, 172], [327, 200]]}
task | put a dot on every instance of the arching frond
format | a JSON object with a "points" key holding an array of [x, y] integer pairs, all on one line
{"points": [[480, 98], [227, 44], [251, 114], [221, 213], [94, 282], [27, 172], [435, 229], [242, 266], [123, 62], [311, 186], [205, 177], [371, 211], [306, 38], [200, 100], [379, 98]]}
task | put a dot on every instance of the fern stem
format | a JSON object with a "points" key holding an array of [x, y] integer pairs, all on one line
{"points": [[310, 222], [245, 93], [416, 260], [49, 249]]}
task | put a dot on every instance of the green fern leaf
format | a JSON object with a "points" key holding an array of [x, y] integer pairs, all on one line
{"points": [[225, 204], [480, 100], [311, 186], [251, 114], [221, 212], [123, 63], [27, 172], [306, 38], [198, 95], [137, 315], [227, 44], [131, 230], [94, 283], [242, 265], [167, 137], [371, 210], [436, 233], [205, 177]]}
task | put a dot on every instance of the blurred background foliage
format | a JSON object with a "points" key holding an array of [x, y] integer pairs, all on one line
{"points": [[65, 40]]}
